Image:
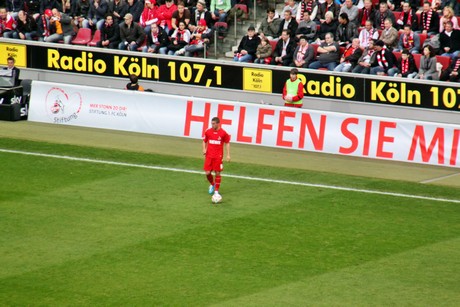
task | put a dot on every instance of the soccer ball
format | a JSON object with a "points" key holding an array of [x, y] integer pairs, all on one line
{"points": [[216, 198]]}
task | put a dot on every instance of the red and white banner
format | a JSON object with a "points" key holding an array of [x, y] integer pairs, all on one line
{"points": [[301, 129]]}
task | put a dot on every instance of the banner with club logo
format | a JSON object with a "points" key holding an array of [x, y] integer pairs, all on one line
{"points": [[256, 124]]}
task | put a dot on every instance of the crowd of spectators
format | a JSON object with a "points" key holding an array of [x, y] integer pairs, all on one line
{"points": [[184, 27], [394, 37], [408, 39]]}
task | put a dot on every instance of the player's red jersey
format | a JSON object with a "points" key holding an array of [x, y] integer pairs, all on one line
{"points": [[216, 140]]}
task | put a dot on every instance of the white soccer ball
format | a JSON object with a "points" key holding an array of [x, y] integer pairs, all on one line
{"points": [[216, 198]]}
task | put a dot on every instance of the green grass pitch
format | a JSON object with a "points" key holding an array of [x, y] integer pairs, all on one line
{"points": [[76, 233]]}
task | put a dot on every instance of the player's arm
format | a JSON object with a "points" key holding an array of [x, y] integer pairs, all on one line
{"points": [[204, 147], [299, 93], [227, 147]]}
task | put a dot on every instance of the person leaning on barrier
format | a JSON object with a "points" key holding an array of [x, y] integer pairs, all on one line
{"points": [[14, 70], [293, 90], [133, 85]]}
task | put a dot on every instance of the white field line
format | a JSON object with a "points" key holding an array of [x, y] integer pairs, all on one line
{"points": [[439, 178], [161, 168]]}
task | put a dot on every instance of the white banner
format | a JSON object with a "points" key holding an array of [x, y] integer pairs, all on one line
{"points": [[302, 129]]}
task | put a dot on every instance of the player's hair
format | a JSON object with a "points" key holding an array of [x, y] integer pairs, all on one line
{"points": [[10, 59], [216, 120]]}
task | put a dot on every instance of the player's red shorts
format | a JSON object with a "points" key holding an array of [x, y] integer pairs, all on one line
{"points": [[213, 164]]}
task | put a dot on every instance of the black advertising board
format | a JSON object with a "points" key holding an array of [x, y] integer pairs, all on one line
{"points": [[227, 75]]}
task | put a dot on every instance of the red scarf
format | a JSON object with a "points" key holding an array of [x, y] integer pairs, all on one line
{"points": [[155, 38], [409, 18], [404, 66], [46, 31], [381, 58], [426, 19], [180, 35], [366, 14], [382, 21], [457, 65], [197, 41], [301, 52], [408, 42], [370, 34], [308, 7]]}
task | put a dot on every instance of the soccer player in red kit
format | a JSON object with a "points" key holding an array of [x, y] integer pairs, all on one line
{"points": [[213, 149]]}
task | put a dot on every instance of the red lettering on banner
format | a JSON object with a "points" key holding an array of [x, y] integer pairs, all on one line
{"points": [[367, 137], [349, 135], [419, 138], [220, 113], [261, 126], [282, 128], [189, 118], [453, 153], [316, 138], [239, 136], [382, 139]]}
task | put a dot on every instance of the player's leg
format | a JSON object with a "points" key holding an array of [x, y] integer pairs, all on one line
{"points": [[211, 181], [208, 169], [218, 167], [218, 180]]}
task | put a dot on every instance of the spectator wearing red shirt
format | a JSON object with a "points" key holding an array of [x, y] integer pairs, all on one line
{"points": [[164, 14]]}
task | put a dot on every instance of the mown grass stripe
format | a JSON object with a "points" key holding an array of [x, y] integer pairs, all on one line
{"points": [[171, 169]]}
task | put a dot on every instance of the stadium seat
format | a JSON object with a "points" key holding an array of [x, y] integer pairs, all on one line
{"points": [[273, 44], [96, 38], [315, 49], [220, 32], [444, 60], [397, 14], [417, 58], [397, 55], [83, 37], [144, 43], [244, 8], [422, 39]]}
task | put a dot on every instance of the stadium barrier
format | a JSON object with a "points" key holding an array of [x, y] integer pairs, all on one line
{"points": [[229, 75], [247, 123]]}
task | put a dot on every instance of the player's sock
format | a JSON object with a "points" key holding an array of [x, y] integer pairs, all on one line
{"points": [[210, 178], [217, 184]]}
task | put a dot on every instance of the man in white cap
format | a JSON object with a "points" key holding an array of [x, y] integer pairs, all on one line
{"points": [[131, 34]]}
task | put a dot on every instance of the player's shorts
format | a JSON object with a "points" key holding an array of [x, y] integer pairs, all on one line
{"points": [[213, 164]]}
